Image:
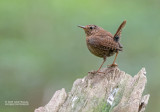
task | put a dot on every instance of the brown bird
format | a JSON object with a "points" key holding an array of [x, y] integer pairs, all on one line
{"points": [[102, 43]]}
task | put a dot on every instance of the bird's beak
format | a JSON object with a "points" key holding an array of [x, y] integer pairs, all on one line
{"points": [[81, 26]]}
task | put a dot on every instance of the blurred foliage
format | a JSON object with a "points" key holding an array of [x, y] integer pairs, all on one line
{"points": [[42, 49]]}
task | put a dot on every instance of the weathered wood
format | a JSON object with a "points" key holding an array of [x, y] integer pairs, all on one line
{"points": [[111, 91]]}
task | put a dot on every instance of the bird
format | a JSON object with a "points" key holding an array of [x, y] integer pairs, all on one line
{"points": [[102, 43]]}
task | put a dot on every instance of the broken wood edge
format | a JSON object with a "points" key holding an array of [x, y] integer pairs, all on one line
{"points": [[54, 104], [143, 103], [60, 96]]}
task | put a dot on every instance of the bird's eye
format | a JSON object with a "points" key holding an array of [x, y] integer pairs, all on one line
{"points": [[91, 27]]}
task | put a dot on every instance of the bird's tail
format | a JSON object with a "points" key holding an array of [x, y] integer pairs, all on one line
{"points": [[118, 33]]}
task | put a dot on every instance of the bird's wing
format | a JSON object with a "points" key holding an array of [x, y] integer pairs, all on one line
{"points": [[104, 43], [105, 33]]}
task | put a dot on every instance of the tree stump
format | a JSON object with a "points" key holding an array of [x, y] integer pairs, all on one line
{"points": [[110, 91]]}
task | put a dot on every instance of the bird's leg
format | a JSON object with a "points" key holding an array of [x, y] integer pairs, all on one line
{"points": [[114, 64], [104, 59], [94, 72]]}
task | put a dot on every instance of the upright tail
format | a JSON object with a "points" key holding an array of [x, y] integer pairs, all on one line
{"points": [[118, 33]]}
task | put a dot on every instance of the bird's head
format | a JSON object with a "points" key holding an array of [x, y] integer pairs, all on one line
{"points": [[90, 29]]}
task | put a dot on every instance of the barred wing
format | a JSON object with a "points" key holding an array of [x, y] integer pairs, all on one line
{"points": [[104, 43]]}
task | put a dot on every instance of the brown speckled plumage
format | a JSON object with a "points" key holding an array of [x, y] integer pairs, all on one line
{"points": [[102, 43]]}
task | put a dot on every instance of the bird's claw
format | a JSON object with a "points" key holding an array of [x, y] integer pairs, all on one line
{"points": [[95, 72], [92, 72], [113, 65]]}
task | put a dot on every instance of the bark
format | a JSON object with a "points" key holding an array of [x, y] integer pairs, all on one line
{"points": [[110, 91]]}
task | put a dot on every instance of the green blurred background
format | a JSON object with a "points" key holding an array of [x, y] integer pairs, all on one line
{"points": [[42, 49]]}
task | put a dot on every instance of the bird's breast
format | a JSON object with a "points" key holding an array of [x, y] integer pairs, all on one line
{"points": [[97, 50]]}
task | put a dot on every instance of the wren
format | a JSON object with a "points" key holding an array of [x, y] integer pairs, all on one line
{"points": [[102, 43]]}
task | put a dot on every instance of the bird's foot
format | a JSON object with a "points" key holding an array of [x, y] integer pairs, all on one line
{"points": [[113, 65], [95, 72], [92, 72]]}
